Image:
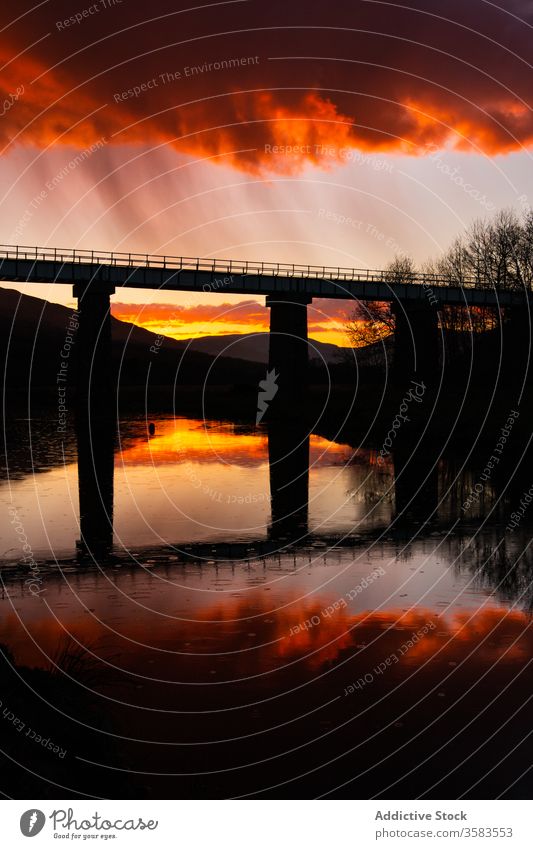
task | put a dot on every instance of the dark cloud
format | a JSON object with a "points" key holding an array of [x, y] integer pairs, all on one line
{"points": [[238, 79]]}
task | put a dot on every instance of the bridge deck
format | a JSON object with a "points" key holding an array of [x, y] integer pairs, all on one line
{"points": [[23, 264]]}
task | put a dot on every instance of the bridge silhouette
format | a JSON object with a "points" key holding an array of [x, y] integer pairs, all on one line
{"points": [[95, 275], [289, 289], [101, 269]]}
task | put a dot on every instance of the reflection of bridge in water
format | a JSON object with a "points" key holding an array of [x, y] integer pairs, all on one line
{"points": [[415, 488]]}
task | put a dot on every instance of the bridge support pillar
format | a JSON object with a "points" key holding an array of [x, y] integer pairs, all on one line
{"points": [[96, 467], [416, 342], [288, 354], [288, 458], [95, 417], [517, 340], [94, 393], [416, 481]]}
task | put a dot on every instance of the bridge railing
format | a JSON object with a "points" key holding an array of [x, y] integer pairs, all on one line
{"points": [[225, 267]]}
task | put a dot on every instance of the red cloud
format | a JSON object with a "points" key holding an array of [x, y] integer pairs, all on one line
{"points": [[322, 309], [325, 318], [244, 311], [269, 87]]}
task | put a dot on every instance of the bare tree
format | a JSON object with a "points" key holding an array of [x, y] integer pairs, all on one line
{"points": [[525, 249], [494, 254], [454, 264], [375, 321], [400, 270], [370, 323]]}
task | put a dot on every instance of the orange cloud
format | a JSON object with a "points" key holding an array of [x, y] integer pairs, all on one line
{"points": [[326, 319], [187, 322], [236, 82], [477, 639], [188, 440]]}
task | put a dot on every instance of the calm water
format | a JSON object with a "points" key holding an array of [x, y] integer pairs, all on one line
{"points": [[195, 481], [336, 651]]}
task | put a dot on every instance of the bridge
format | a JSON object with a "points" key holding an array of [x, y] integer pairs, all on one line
{"points": [[288, 288], [101, 270]]}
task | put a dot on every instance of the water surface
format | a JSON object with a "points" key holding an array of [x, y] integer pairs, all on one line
{"points": [[335, 652]]}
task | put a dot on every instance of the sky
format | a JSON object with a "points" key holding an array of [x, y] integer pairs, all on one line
{"points": [[333, 134]]}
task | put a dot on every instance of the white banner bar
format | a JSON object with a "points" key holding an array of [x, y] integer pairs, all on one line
{"points": [[267, 824]]}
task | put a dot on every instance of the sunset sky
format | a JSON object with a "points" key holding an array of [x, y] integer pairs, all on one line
{"points": [[338, 134]]}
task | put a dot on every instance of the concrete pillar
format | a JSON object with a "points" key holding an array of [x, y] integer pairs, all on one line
{"points": [[95, 418], [517, 342], [94, 390], [416, 482], [96, 466], [288, 458], [288, 352], [416, 343], [416, 358]]}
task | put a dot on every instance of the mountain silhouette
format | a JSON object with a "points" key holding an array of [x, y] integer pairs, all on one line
{"points": [[33, 332], [254, 347]]}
